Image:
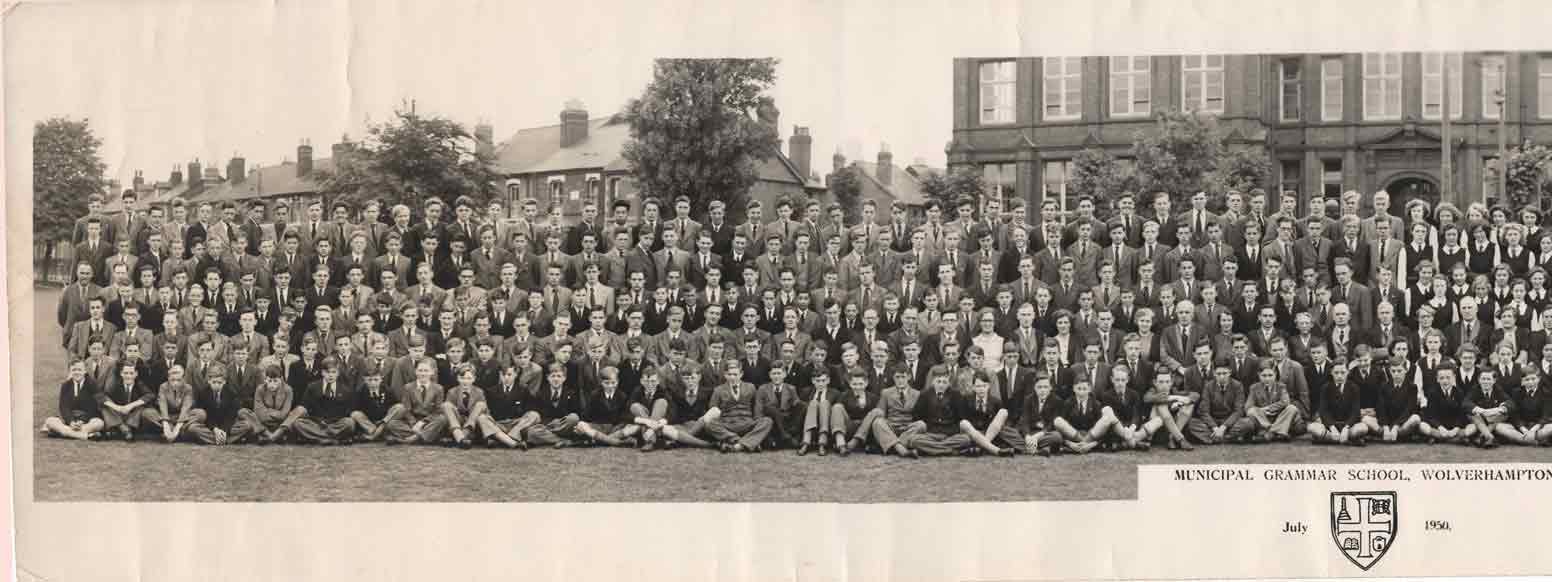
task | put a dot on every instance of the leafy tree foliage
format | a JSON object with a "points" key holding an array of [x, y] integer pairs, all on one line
{"points": [[66, 169], [693, 131], [1528, 174], [965, 182], [410, 158], [1098, 174], [1186, 153], [846, 190]]}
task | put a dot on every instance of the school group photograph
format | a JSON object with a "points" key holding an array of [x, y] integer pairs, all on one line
{"points": [[514, 321]]}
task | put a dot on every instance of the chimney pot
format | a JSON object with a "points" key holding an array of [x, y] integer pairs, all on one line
{"points": [[304, 159], [800, 150], [573, 123], [886, 164], [237, 170]]}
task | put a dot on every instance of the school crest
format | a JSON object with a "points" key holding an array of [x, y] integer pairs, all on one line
{"points": [[1363, 525]]}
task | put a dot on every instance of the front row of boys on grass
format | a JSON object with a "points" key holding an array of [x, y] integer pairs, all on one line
{"points": [[963, 410]]}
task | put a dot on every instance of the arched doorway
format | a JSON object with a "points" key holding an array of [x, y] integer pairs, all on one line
{"points": [[1404, 189]]}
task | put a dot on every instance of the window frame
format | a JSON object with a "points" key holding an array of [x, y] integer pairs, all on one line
{"points": [[1434, 81], [557, 187], [1327, 83], [1389, 83], [1544, 86], [1283, 182], [1069, 78], [1283, 84], [1065, 165], [1201, 74], [1127, 81], [1001, 113], [1490, 109], [1326, 174], [1004, 190]]}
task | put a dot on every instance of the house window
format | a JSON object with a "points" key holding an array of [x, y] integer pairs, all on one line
{"points": [[1203, 83], [1382, 85], [557, 186], [614, 190], [1292, 90], [1331, 89], [1544, 86], [1063, 87], [1290, 176], [1000, 182], [1493, 93], [514, 192], [1053, 182], [594, 188], [1433, 84], [1131, 91], [1331, 178], [997, 92]]}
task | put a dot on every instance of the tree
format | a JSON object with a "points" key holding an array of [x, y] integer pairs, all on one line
{"points": [[956, 185], [66, 170], [1238, 168], [1186, 153], [410, 158], [1098, 174], [693, 131], [846, 190], [1528, 172]]}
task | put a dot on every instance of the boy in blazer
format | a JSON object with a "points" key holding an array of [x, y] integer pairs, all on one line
{"points": [[422, 398], [1489, 407], [778, 400], [606, 418], [1270, 406], [1338, 420], [1446, 414], [983, 419], [326, 409], [737, 426], [78, 409], [558, 404], [689, 410], [1220, 414], [1084, 421], [1530, 418], [219, 402]]}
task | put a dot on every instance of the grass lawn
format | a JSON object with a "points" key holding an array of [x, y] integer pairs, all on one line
{"points": [[144, 471]]}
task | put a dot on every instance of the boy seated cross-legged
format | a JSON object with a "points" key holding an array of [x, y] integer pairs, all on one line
{"points": [[174, 408], [376, 406], [422, 398], [217, 406], [1339, 420], [510, 403], [558, 405], [689, 411], [1270, 405], [1396, 402], [1171, 408], [78, 410], [1125, 406], [984, 420], [1038, 420], [737, 427], [464, 411], [1085, 421], [1220, 414], [939, 409], [606, 418], [649, 406], [1489, 409], [326, 409], [1446, 417], [892, 424], [1530, 419], [816, 415]]}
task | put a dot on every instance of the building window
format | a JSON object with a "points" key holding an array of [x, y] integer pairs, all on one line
{"points": [[1000, 182], [1203, 83], [1382, 85], [614, 189], [1063, 87], [1493, 94], [1544, 86], [1433, 84], [1054, 177], [1290, 176], [1331, 178], [1331, 89], [594, 189], [1131, 91], [514, 191], [1292, 90], [557, 190], [997, 92]]}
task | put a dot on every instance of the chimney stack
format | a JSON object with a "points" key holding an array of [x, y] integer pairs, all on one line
{"points": [[838, 160], [484, 140], [573, 123], [237, 169], [196, 175], [212, 174], [176, 178], [800, 150], [886, 165], [139, 180], [304, 158]]}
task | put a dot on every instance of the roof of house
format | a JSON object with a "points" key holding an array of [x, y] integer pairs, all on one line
{"points": [[277, 180], [904, 186], [537, 150]]}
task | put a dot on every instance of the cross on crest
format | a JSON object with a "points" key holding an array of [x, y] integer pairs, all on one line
{"points": [[1363, 525]]}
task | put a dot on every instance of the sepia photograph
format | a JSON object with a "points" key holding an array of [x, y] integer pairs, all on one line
{"points": [[377, 253]]}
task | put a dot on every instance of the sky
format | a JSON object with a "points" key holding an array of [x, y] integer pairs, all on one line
{"points": [[164, 82]]}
